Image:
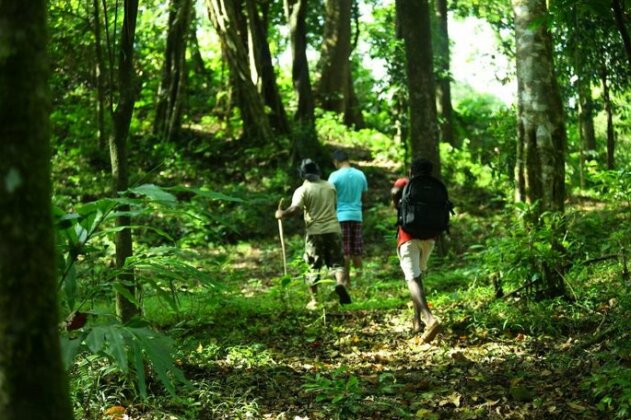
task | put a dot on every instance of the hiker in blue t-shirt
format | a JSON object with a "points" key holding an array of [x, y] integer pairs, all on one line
{"points": [[351, 186]]}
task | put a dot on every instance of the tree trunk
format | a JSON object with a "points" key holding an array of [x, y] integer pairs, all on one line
{"points": [[352, 112], [618, 14], [168, 118], [414, 21], [224, 15], [126, 309], [334, 90], [443, 85], [541, 129], [33, 384], [587, 134], [611, 141], [540, 111], [100, 78], [305, 139], [264, 68], [196, 57]]}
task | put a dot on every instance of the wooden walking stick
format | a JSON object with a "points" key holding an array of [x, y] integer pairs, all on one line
{"points": [[282, 238]]}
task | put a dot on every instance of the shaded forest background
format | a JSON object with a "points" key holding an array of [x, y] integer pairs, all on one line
{"points": [[173, 128]]}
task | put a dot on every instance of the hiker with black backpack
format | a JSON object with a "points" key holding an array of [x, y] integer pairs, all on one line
{"points": [[423, 214], [317, 198]]}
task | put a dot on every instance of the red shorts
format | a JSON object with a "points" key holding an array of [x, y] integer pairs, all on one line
{"points": [[352, 239]]}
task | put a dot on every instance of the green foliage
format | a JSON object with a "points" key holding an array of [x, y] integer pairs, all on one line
{"points": [[381, 146], [611, 385], [489, 130], [614, 186], [522, 251], [82, 239], [342, 390], [127, 347]]}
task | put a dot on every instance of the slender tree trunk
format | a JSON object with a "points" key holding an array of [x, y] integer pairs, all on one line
{"points": [[414, 21], [443, 85], [100, 78], [125, 308], [33, 384], [611, 141], [541, 129], [587, 145], [618, 14], [168, 118], [305, 140], [224, 15], [196, 55], [264, 68], [352, 112]]}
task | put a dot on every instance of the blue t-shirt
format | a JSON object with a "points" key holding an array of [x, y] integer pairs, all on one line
{"points": [[349, 183]]}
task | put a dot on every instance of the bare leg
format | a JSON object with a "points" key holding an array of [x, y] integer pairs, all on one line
{"points": [[347, 271], [357, 263], [421, 309]]}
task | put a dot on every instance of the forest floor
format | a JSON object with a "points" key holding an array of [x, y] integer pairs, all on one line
{"points": [[254, 351]]}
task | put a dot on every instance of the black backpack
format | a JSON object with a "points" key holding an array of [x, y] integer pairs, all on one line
{"points": [[424, 208]]}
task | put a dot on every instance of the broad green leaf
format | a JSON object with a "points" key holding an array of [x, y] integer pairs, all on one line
{"points": [[96, 339], [139, 367], [116, 347], [69, 286], [69, 349], [123, 291], [154, 192]]}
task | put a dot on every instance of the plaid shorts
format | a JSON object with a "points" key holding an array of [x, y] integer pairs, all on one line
{"points": [[352, 238], [323, 250]]}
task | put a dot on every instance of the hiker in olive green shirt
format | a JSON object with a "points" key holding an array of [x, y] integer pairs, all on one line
{"points": [[317, 199]]}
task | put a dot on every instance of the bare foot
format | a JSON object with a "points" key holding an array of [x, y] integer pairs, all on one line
{"points": [[431, 331]]}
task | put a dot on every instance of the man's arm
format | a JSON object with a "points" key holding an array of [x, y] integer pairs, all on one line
{"points": [[289, 211]]}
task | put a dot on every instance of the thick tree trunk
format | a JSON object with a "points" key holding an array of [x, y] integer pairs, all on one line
{"points": [[100, 78], [540, 122], [264, 68], [33, 384], [541, 129], [618, 14], [414, 21], [332, 88], [335, 86], [443, 85], [611, 141], [125, 308], [305, 140], [224, 16], [168, 118]]}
